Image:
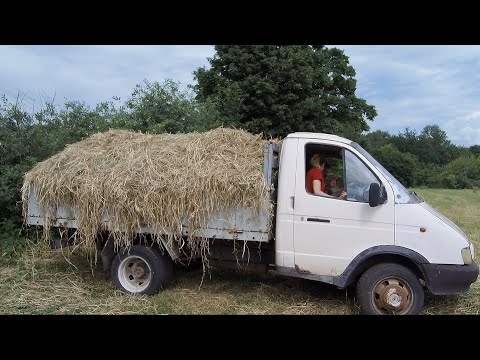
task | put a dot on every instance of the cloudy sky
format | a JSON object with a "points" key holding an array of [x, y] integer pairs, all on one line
{"points": [[411, 86]]}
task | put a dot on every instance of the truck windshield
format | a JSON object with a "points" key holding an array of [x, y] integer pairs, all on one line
{"points": [[402, 195]]}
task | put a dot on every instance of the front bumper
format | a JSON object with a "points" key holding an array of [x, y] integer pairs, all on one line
{"points": [[450, 279]]}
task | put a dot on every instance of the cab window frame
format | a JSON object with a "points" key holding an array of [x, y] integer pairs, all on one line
{"points": [[343, 158], [306, 162]]}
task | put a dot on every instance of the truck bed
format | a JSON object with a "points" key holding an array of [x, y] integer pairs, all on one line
{"points": [[242, 226]]}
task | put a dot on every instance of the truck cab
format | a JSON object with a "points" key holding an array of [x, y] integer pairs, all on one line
{"points": [[382, 237]]}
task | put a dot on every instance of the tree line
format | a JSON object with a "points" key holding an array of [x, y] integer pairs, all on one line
{"points": [[425, 159], [274, 90]]}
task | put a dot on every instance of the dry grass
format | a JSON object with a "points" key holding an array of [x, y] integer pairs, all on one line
{"points": [[42, 282], [463, 208], [160, 181]]}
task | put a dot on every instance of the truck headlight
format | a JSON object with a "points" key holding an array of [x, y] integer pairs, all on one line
{"points": [[467, 256]]}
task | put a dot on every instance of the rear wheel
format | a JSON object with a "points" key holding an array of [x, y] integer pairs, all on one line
{"points": [[390, 289], [141, 270]]}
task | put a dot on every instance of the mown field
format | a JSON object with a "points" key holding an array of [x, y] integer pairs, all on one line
{"points": [[37, 281]]}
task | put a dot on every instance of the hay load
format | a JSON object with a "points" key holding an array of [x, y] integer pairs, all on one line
{"points": [[154, 180]]}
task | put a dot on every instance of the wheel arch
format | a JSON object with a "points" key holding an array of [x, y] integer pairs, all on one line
{"points": [[381, 254]]}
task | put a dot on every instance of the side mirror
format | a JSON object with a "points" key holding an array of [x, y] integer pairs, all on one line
{"points": [[374, 195]]}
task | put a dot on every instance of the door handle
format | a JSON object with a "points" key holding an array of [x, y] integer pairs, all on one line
{"points": [[318, 220]]}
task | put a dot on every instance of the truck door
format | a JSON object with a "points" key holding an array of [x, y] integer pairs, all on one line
{"points": [[329, 233]]}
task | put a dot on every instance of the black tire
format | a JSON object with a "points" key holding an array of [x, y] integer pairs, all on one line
{"points": [[389, 289], [141, 270]]}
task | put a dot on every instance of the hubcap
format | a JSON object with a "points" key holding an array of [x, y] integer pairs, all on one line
{"points": [[134, 274], [392, 295]]}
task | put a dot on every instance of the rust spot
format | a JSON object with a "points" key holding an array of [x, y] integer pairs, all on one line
{"points": [[302, 271], [235, 231], [422, 229]]}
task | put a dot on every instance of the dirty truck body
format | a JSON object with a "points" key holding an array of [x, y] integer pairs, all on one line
{"points": [[382, 239]]}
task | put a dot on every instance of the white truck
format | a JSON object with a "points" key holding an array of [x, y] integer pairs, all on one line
{"points": [[382, 239]]}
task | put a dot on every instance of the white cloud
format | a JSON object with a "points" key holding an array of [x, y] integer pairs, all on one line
{"points": [[466, 129], [413, 86], [409, 85], [94, 73]]}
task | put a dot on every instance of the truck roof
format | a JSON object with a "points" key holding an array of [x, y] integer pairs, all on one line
{"points": [[320, 136]]}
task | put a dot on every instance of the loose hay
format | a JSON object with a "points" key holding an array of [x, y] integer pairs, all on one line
{"points": [[153, 180]]}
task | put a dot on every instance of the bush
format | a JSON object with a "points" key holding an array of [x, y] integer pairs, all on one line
{"points": [[11, 241], [403, 166]]}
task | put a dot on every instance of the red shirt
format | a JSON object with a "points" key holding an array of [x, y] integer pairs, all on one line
{"points": [[315, 174]]}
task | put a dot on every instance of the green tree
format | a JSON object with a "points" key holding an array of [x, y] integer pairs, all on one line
{"points": [[376, 139], [465, 170], [16, 155], [282, 89], [403, 166], [434, 147], [475, 150], [163, 107], [407, 142], [429, 175], [461, 151]]}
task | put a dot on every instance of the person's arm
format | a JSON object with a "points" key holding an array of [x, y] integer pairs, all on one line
{"points": [[317, 191]]}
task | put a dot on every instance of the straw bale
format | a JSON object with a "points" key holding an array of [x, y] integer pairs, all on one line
{"points": [[154, 180]]}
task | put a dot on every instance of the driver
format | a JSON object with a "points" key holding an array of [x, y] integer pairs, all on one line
{"points": [[316, 180]]}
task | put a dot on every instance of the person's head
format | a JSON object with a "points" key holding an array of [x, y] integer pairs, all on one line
{"points": [[326, 169], [317, 161]]}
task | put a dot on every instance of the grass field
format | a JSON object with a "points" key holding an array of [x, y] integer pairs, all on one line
{"points": [[37, 281]]}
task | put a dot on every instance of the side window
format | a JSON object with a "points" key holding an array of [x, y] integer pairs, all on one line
{"points": [[358, 178], [332, 172]]}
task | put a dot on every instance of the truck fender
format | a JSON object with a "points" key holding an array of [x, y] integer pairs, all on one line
{"points": [[378, 254]]}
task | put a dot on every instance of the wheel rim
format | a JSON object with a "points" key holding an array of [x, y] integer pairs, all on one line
{"points": [[392, 295], [134, 274]]}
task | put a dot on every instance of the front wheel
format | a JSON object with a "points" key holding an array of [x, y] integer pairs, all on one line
{"points": [[389, 289], [141, 270]]}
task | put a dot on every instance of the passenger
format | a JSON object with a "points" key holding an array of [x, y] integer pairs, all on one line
{"points": [[330, 185]]}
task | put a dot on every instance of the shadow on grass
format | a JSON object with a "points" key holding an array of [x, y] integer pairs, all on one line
{"points": [[237, 292]]}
